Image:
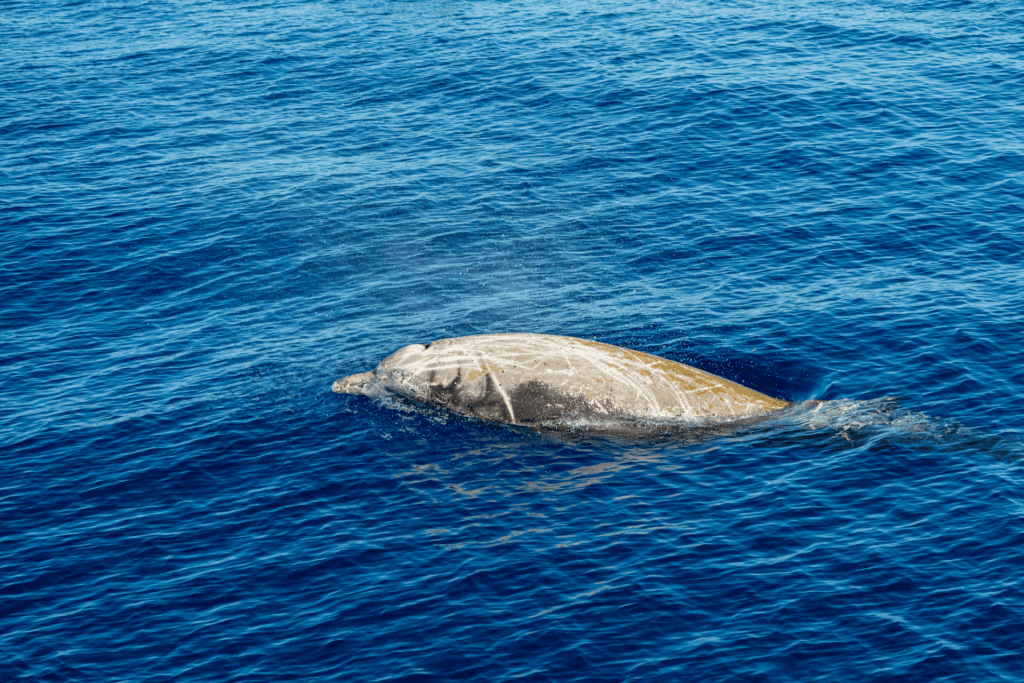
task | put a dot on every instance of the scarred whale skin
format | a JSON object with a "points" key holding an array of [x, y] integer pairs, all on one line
{"points": [[532, 379]]}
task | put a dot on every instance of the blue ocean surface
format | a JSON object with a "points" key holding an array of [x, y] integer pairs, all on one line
{"points": [[211, 211]]}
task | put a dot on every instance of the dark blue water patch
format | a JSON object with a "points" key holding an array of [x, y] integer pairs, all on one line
{"points": [[208, 215]]}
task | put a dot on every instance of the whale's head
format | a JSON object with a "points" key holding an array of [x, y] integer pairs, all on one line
{"points": [[391, 374]]}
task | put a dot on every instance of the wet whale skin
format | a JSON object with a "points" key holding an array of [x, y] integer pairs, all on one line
{"points": [[535, 378]]}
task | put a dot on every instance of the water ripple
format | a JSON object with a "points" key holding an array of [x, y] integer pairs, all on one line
{"points": [[209, 213]]}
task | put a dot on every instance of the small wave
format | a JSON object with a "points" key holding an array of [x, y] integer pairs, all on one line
{"points": [[886, 420]]}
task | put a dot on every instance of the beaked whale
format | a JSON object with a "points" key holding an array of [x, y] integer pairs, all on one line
{"points": [[538, 379]]}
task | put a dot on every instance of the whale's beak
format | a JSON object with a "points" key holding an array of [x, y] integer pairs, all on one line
{"points": [[353, 384]]}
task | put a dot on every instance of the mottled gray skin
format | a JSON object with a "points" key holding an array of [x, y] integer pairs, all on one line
{"points": [[534, 379]]}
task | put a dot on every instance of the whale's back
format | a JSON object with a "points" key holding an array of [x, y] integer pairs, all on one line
{"points": [[536, 378]]}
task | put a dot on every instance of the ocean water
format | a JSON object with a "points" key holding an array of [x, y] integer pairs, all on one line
{"points": [[211, 211]]}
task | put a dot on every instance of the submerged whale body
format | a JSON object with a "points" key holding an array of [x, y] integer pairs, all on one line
{"points": [[539, 379]]}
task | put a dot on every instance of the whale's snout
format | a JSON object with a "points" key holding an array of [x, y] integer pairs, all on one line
{"points": [[370, 383], [353, 384]]}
